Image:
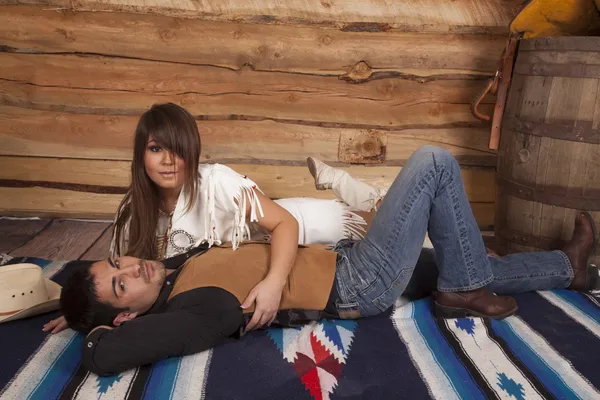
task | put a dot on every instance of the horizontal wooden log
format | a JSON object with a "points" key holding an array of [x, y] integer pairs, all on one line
{"points": [[56, 171], [295, 108], [57, 203], [104, 73], [95, 176], [218, 91], [370, 16], [47, 202], [30, 132], [234, 45], [280, 97]]}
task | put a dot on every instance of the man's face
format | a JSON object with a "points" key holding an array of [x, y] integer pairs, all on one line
{"points": [[128, 282]]}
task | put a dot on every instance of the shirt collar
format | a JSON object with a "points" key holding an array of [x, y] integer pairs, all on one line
{"points": [[174, 263]]}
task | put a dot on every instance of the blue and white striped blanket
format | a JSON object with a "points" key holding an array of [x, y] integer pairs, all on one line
{"points": [[550, 350]]}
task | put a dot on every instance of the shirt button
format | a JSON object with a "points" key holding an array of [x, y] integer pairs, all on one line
{"points": [[168, 283], [90, 344]]}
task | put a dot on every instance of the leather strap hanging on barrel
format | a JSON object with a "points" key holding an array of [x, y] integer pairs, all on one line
{"points": [[498, 85]]}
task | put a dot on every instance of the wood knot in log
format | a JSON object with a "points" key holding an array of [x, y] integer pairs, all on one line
{"points": [[326, 40], [363, 147], [360, 72], [167, 35], [69, 36]]}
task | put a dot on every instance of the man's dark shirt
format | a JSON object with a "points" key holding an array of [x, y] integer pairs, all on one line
{"points": [[189, 323]]}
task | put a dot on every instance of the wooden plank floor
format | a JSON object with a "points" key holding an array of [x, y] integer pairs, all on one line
{"points": [[15, 233], [59, 239], [66, 239]]}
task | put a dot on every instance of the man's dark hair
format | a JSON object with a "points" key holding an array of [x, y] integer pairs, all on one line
{"points": [[79, 301]]}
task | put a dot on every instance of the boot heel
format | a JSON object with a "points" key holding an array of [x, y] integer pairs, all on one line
{"points": [[441, 311]]}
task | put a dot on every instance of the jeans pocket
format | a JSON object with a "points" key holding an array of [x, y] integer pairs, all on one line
{"points": [[351, 280]]}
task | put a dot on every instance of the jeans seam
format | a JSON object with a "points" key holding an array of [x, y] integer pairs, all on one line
{"points": [[561, 275], [403, 215], [391, 286], [405, 210], [466, 250], [468, 288], [463, 234], [346, 305], [568, 262], [376, 301], [344, 292]]}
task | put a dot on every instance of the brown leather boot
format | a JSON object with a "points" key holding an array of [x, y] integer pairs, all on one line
{"points": [[478, 303], [579, 250]]}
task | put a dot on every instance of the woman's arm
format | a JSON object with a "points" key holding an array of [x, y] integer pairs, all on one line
{"points": [[284, 247]]}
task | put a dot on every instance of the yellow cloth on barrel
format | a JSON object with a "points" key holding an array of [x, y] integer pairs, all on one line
{"points": [[542, 18]]}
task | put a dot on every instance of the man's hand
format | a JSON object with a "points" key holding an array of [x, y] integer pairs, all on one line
{"points": [[56, 325], [267, 295]]}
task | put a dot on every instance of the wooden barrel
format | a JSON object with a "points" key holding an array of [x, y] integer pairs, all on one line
{"points": [[549, 156]]}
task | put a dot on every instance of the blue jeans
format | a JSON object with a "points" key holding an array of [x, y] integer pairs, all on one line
{"points": [[428, 195]]}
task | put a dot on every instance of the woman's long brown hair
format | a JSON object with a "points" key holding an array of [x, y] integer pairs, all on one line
{"points": [[174, 129]]}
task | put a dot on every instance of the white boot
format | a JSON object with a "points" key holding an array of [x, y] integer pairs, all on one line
{"points": [[358, 195]]}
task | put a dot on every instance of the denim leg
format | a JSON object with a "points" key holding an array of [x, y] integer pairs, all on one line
{"points": [[514, 273], [427, 195], [527, 272]]}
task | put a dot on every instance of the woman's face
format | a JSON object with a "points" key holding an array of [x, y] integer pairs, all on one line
{"points": [[163, 167]]}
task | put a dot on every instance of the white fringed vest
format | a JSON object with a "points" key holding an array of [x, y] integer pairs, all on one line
{"points": [[219, 215]]}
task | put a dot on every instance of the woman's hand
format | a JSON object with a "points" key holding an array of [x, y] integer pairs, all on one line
{"points": [[284, 247], [267, 295], [56, 325]]}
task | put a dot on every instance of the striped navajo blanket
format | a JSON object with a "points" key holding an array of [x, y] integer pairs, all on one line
{"points": [[551, 349]]}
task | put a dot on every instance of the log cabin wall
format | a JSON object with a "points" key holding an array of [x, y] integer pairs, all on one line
{"points": [[359, 84]]}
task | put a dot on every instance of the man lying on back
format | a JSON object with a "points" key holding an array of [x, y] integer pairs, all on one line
{"points": [[138, 311]]}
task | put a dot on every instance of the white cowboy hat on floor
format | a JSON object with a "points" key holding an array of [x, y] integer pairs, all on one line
{"points": [[24, 292]]}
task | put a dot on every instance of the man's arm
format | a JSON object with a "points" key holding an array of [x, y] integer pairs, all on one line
{"points": [[150, 338]]}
